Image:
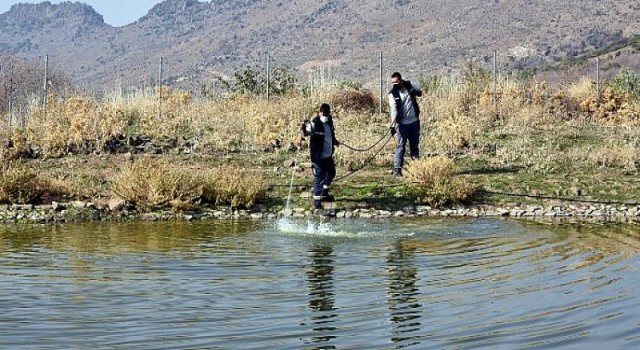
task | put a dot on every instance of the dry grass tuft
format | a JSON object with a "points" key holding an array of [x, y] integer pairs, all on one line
{"points": [[613, 155], [432, 181], [18, 184], [232, 186], [21, 185], [153, 183]]}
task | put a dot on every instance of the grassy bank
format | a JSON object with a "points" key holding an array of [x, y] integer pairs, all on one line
{"points": [[530, 143]]}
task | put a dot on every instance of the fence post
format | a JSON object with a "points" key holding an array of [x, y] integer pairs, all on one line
{"points": [[10, 95], [495, 78], [381, 82], [44, 83], [160, 89], [626, 82], [598, 79], [268, 75]]}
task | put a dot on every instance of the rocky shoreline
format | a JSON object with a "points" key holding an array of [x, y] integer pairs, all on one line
{"points": [[79, 212]]}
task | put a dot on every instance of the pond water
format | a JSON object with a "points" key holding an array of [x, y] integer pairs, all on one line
{"points": [[411, 284]]}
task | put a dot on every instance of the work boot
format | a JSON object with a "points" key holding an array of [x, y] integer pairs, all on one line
{"points": [[317, 204], [326, 196], [397, 173]]}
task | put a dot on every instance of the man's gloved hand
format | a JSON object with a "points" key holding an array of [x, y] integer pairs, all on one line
{"points": [[392, 130], [314, 168]]}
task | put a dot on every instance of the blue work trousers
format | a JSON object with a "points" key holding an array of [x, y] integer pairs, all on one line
{"points": [[325, 172], [407, 133]]}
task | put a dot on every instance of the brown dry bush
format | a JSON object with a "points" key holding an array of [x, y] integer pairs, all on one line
{"points": [[353, 100], [16, 146], [81, 123], [432, 181]]}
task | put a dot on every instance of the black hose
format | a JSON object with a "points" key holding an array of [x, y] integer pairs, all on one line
{"points": [[363, 149]]}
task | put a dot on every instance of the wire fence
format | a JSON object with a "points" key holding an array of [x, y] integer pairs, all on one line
{"points": [[21, 92]]}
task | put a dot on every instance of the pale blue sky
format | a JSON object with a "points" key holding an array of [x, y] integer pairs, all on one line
{"points": [[115, 12]]}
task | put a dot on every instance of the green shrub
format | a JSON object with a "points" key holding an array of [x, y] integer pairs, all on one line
{"points": [[627, 82], [254, 82]]}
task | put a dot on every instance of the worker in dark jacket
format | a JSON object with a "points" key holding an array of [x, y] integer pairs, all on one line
{"points": [[322, 144]]}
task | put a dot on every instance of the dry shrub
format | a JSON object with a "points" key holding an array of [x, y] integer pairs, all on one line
{"points": [[16, 146], [232, 186], [443, 103], [518, 105], [613, 107], [277, 119], [432, 181], [152, 183], [454, 133], [247, 122], [176, 117], [69, 186], [74, 124], [173, 99], [21, 185], [350, 99], [81, 123]]}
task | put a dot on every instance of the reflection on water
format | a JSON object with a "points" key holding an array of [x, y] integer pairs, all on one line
{"points": [[414, 284], [403, 296], [321, 295]]}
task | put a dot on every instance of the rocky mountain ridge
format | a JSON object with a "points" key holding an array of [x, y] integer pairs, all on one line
{"points": [[200, 41]]}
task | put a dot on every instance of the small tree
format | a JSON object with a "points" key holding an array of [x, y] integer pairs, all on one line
{"points": [[627, 82], [252, 82]]}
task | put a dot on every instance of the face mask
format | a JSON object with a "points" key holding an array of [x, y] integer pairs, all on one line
{"points": [[324, 119]]}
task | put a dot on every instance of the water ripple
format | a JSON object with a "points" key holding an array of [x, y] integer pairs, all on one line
{"points": [[432, 284]]}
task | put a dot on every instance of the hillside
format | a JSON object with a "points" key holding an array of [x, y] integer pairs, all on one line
{"points": [[202, 40]]}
